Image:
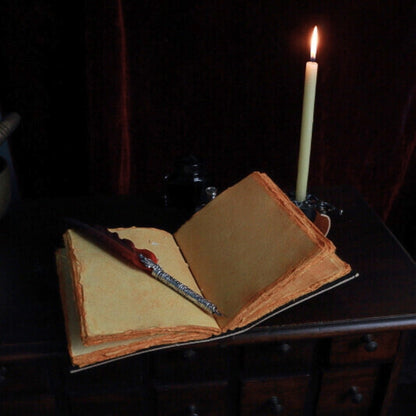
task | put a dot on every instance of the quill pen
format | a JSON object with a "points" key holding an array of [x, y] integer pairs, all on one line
{"points": [[141, 258]]}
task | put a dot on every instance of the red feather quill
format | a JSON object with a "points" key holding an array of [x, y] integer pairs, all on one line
{"points": [[111, 242]]}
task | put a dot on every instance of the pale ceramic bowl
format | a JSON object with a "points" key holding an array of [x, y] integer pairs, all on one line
{"points": [[5, 186]]}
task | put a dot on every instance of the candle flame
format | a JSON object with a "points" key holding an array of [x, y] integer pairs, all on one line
{"points": [[314, 43]]}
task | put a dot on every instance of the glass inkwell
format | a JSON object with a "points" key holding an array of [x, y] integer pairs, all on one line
{"points": [[187, 187]]}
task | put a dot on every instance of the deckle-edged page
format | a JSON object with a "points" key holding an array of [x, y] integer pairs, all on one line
{"points": [[82, 355], [247, 240], [117, 301]]}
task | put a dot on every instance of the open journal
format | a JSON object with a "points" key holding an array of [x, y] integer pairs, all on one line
{"points": [[250, 251]]}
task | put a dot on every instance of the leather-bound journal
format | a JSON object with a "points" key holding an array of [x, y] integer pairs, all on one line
{"points": [[250, 251]]}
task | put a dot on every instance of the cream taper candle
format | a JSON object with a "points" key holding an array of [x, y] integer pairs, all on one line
{"points": [[311, 73]]}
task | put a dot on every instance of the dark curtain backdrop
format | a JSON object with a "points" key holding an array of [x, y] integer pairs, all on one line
{"points": [[223, 80], [125, 87]]}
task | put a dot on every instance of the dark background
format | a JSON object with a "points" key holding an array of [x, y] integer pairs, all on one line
{"points": [[110, 93]]}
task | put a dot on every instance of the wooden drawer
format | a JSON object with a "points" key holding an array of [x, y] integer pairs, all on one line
{"points": [[277, 358], [208, 399], [380, 346], [24, 376], [347, 391], [106, 404], [41, 404], [117, 376], [284, 395], [191, 364]]}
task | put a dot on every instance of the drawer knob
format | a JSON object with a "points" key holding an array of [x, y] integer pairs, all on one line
{"points": [[3, 372], [275, 407], [192, 411], [284, 348], [356, 396], [189, 355], [369, 344]]}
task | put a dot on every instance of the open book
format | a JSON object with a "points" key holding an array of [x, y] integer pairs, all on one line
{"points": [[250, 251]]}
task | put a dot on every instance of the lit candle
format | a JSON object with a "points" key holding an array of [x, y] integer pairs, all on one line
{"points": [[311, 73]]}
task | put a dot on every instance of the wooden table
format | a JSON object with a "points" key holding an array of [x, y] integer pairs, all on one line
{"points": [[339, 353]]}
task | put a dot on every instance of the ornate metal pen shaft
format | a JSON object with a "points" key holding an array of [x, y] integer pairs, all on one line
{"points": [[158, 273]]}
